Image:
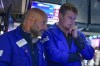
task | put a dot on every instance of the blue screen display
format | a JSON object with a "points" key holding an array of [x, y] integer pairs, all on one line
{"points": [[51, 10]]}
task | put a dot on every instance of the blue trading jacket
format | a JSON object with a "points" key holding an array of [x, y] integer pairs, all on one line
{"points": [[15, 51], [57, 51]]}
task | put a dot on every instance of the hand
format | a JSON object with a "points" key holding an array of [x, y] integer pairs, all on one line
{"points": [[73, 31]]}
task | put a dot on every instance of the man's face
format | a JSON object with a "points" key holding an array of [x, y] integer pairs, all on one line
{"points": [[68, 19], [39, 26]]}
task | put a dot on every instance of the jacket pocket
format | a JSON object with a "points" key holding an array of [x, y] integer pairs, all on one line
{"points": [[19, 61], [60, 45]]}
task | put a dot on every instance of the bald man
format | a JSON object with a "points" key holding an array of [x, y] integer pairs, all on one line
{"points": [[22, 46]]}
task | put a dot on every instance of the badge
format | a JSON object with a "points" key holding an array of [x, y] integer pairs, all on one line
{"points": [[21, 42], [45, 39], [1, 52]]}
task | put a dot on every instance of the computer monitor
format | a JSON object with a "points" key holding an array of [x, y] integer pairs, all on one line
{"points": [[51, 10], [94, 40]]}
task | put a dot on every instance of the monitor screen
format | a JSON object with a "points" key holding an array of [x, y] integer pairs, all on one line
{"points": [[11, 23], [94, 40], [51, 10], [1, 6]]}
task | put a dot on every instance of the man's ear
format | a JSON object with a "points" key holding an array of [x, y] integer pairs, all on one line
{"points": [[60, 15]]}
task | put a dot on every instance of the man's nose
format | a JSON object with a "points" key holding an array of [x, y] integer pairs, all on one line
{"points": [[73, 22]]}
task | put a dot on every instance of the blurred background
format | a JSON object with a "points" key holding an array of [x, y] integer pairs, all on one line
{"points": [[88, 21]]}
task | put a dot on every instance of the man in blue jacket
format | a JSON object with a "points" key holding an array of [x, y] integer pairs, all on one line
{"points": [[64, 44], [22, 46]]}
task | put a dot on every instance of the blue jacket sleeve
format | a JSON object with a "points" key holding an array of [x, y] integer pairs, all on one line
{"points": [[3, 64], [5, 51], [52, 53], [84, 47]]}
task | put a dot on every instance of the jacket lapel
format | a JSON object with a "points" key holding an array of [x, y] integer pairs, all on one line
{"points": [[24, 47], [62, 37]]}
